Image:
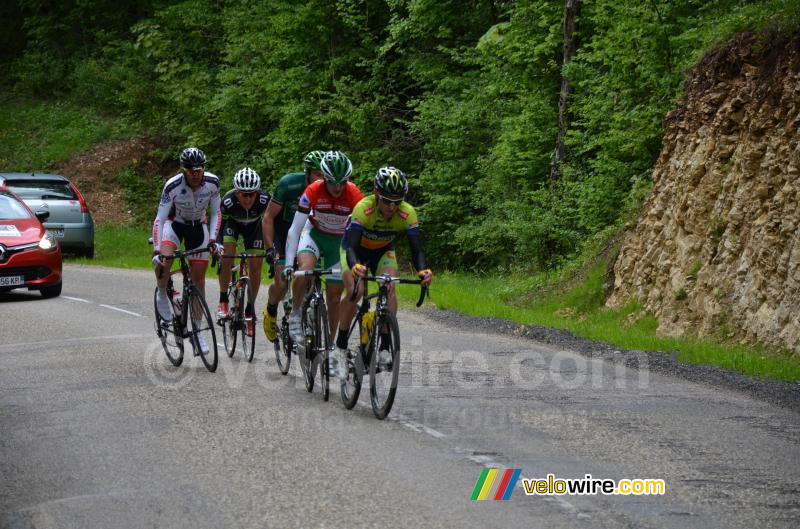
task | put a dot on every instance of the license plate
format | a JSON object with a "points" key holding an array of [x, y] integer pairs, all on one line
{"points": [[56, 232], [11, 281]]}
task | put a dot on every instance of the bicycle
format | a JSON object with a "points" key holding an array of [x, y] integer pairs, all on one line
{"points": [[382, 378], [316, 329], [242, 316], [189, 302]]}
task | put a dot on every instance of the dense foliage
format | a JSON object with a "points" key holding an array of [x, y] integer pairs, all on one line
{"points": [[461, 94]]}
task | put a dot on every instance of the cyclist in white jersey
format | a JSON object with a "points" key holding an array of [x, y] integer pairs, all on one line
{"points": [[182, 218]]}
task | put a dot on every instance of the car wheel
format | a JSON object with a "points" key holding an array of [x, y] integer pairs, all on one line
{"points": [[51, 291]]}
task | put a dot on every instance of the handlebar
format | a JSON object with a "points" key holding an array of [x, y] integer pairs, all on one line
{"points": [[386, 278], [315, 273]]}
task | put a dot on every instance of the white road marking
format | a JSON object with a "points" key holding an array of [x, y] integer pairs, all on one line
{"points": [[76, 299], [88, 339], [121, 310]]}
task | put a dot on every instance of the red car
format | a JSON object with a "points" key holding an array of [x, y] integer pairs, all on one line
{"points": [[29, 256]]}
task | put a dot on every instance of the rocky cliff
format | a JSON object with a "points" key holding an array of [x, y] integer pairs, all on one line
{"points": [[716, 250]]}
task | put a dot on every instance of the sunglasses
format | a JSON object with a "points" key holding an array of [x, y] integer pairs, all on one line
{"points": [[247, 194], [196, 170], [391, 202]]}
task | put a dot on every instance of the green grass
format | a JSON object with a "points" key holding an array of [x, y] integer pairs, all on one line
{"points": [[580, 310], [119, 246], [38, 134]]}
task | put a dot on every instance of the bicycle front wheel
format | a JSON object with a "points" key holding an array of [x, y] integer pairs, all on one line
{"points": [[351, 386], [247, 319], [283, 346], [202, 335], [229, 323], [307, 355], [384, 368], [170, 336], [322, 346]]}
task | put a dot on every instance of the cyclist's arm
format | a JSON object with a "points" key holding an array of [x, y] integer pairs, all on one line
{"points": [[293, 239], [216, 217], [164, 208], [268, 223], [417, 257], [352, 241]]}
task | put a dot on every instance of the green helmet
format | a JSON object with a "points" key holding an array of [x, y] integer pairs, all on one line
{"points": [[391, 183], [336, 167], [311, 161]]}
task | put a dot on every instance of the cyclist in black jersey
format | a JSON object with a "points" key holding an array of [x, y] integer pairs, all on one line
{"points": [[242, 212]]}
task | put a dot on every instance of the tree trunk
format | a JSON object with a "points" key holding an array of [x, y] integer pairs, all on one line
{"points": [[571, 8]]}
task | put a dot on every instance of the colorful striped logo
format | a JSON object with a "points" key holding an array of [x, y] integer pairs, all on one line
{"points": [[495, 484]]}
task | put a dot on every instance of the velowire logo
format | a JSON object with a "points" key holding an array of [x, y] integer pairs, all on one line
{"points": [[495, 484]]}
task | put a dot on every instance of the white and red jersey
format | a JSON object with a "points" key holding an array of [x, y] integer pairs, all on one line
{"points": [[189, 206], [328, 213]]}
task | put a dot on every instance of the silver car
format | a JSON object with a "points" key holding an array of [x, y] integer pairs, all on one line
{"points": [[70, 221]]}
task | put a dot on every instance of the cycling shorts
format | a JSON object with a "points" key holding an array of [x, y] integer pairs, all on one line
{"points": [[250, 233], [325, 248], [193, 237], [375, 260]]}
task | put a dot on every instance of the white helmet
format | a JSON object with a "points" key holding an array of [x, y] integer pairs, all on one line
{"points": [[246, 179]]}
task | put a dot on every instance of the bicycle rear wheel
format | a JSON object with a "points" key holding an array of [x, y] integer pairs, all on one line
{"points": [[228, 323], [202, 329], [283, 346], [351, 386], [383, 377], [247, 319], [322, 346], [170, 336]]}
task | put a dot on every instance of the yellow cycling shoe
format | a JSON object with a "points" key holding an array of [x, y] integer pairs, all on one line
{"points": [[270, 326]]}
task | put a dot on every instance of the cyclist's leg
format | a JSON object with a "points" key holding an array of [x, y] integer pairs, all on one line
{"points": [[254, 243], [169, 244], [229, 236], [387, 264], [196, 238], [347, 308], [277, 289], [307, 255]]}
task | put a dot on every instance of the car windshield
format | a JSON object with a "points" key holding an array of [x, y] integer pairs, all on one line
{"points": [[10, 208], [43, 189]]}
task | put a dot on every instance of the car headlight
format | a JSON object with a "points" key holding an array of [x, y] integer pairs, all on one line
{"points": [[47, 242]]}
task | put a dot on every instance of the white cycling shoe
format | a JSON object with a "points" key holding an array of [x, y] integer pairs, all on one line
{"points": [[385, 358], [201, 344], [338, 363], [164, 306], [296, 329]]}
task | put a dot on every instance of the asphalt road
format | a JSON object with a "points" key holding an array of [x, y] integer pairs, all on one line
{"points": [[97, 429]]}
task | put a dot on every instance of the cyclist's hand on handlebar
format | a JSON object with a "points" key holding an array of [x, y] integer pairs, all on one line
{"points": [[359, 270], [214, 248], [426, 276], [157, 260], [272, 255], [288, 272]]}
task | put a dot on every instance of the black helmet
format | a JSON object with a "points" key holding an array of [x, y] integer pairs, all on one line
{"points": [[192, 158], [391, 183]]}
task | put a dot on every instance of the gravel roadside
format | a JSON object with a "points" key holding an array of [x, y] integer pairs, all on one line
{"points": [[784, 394]]}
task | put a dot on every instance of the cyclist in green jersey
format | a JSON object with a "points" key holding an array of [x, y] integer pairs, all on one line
{"points": [[369, 243], [276, 224]]}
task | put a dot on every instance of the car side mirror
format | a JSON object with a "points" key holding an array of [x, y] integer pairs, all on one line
{"points": [[42, 215]]}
